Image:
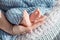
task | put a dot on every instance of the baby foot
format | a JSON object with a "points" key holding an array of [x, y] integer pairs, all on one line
{"points": [[35, 15]]}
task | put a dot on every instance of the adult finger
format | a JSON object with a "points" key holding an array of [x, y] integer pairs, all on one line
{"points": [[40, 19], [37, 24]]}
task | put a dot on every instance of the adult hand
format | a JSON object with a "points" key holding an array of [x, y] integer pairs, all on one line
{"points": [[37, 19], [18, 29], [34, 20]]}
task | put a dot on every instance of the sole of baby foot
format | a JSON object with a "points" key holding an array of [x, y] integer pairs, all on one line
{"points": [[35, 15]]}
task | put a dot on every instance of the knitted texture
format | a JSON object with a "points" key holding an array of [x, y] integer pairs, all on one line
{"points": [[14, 8], [15, 15], [48, 31], [8, 4]]}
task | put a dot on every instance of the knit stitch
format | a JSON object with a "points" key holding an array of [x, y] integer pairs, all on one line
{"points": [[14, 8]]}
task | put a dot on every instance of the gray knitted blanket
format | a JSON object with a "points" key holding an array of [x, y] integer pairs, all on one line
{"points": [[48, 31]]}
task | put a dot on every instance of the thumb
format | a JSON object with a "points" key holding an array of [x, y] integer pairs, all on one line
{"points": [[26, 18]]}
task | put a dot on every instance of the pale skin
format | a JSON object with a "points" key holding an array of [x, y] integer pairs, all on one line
{"points": [[28, 23]]}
